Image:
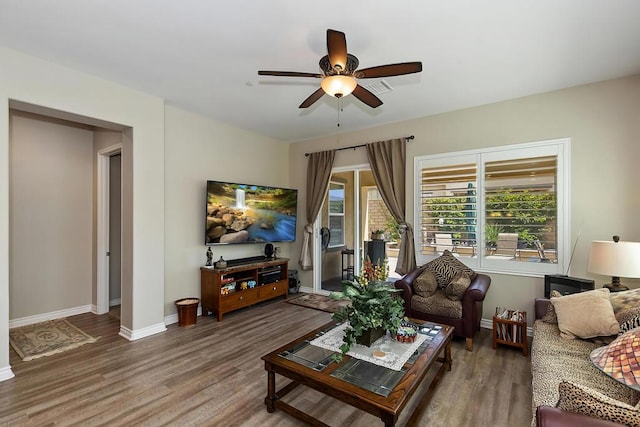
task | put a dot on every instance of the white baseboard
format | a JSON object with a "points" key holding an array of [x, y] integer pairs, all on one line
{"points": [[126, 333], [486, 324], [141, 333], [114, 302], [6, 373], [171, 319], [30, 320]]}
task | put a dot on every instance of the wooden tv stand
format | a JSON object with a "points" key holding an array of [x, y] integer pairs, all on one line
{"points": [[271, 277]]}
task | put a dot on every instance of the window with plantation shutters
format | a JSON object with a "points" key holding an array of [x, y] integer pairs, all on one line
{"points": [[501, 209], [448, 208], [520, 199]]}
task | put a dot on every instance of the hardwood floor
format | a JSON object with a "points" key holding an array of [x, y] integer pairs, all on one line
{"points": [[211, 374]]}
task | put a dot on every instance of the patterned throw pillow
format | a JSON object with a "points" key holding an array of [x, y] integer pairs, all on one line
{"points": [[626, 326], [628, 319], [458, 286], [425, 284], [445, 267], [550, 316], [583, 400], [627, 314], [625, 300]]}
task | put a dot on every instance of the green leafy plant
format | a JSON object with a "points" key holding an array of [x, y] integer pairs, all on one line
{"points": [[491, 232], [392, 226], [374, 304]]}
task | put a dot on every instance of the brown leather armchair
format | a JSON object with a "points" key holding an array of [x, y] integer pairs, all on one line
{"points": [[465, 326]]}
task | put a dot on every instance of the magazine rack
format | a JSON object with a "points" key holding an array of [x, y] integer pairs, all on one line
{"points": [[510, 328]]}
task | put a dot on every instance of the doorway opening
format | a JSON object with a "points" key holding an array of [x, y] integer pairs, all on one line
{"points": [[54, 173], [109, 241], [351, 212]]}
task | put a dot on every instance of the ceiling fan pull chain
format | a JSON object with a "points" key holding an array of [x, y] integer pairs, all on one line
{"points": [[338, 125]]}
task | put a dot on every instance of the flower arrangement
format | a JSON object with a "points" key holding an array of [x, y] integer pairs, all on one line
{"points": [[374, 305], [374, 272]]}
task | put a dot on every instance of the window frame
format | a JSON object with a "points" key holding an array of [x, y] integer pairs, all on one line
{"points": [[340, 215], [560, 148]]}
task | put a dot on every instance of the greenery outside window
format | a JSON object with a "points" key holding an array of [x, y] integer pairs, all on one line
{"points": [[336, 214], [499, 209]]}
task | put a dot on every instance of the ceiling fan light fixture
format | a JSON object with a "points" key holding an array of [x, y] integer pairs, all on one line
{"points": [[338, 85]]}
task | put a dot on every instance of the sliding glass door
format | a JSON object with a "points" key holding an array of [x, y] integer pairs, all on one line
{"points": [[352, 211], [337, 232]]}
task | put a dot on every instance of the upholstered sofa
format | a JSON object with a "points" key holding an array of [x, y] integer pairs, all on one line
{"points": [[463, 313], [563, 375]]}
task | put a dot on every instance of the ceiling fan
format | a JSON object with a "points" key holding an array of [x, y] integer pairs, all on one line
{"points": [[340, 73]]}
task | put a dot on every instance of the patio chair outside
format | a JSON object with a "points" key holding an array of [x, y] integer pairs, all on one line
{"points": [[540, 250], [444, 241], [506, 246]]}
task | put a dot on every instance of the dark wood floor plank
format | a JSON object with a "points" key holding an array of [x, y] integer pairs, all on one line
{"points": [[211, 374]]}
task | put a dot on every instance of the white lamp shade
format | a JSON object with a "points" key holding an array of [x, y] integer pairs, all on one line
{"points": [[338, 85], [619, 259]]}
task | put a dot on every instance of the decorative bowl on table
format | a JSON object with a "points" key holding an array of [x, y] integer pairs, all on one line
{"points": [[406, 334]]}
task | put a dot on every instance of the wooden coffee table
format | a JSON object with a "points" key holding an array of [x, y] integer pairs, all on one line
{"points": [[372, 388]]}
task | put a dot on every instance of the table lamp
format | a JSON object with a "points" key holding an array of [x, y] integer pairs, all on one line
{"points": [[616, 259]]}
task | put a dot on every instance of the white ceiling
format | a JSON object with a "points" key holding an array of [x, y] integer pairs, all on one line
{"points": [[203, 55]]}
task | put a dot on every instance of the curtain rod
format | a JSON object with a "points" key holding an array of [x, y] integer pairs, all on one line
{"points": [[353, 147]]}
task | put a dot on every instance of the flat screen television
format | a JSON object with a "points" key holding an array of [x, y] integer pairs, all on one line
{"points": [[245, 213], [566, 285]]}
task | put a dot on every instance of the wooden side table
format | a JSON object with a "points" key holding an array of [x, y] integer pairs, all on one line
{"points": [[510, 332]]}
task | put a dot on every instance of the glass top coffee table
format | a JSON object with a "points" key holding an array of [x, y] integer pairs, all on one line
{"points": [[378, 390]]}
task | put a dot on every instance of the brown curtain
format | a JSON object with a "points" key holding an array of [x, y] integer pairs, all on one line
{"points": [[389, 165], [318, 174]]}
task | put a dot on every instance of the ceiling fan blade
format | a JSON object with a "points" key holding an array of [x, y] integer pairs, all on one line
{"points": [[337, 49], [367, 97], [289, 74], [312, 98], [389, 70]]}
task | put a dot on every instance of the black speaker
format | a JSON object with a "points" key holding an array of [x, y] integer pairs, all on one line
{"points": [[268, 250], [294, 283], [376, 251]]}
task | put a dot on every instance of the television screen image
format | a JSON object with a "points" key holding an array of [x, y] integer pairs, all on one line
{"points": [[243, 213]]}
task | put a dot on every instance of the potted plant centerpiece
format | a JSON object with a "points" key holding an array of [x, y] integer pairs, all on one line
{"points": [[374, 309]]}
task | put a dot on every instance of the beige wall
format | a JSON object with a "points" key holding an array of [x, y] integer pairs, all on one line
{"points": [[50, 215], [602, 121], [26, 79], [198, 149], [46, 150]]}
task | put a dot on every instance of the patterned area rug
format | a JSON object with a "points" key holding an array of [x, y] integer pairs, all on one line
{"points": [[318, 302], [47, 338]]}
